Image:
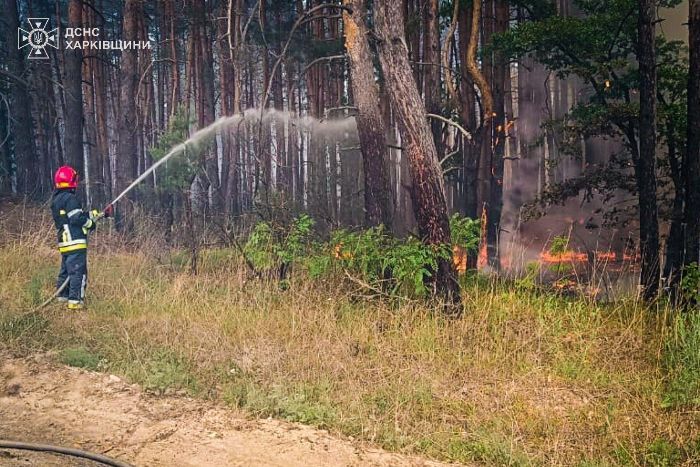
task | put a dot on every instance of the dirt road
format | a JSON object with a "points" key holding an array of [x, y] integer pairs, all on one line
{"points": [[48, 403]]}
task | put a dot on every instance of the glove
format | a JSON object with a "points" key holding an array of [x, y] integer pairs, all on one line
{"points": [[91, 222], [108, 211]]}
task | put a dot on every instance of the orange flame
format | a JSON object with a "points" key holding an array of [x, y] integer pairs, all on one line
{"points": [[459, 258], [338, 252], [578, 257], [565, 257]]}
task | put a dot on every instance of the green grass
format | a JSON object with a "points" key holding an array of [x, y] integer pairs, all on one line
{"points": [[682, 362], [80, 357], [524, 378]]}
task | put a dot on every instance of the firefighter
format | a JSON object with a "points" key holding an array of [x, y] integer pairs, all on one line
{"points": [[72, 225]]}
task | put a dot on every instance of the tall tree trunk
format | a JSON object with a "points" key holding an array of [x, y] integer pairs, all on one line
{"points": [[427, 192], [379, 202], [174, 65], [646, 164], [497, 139], [431, 57], [467, 109], [674, 242], [72, 83], [126, 166], [21, 125], [208, 105], [101, 130], [692, 166]]}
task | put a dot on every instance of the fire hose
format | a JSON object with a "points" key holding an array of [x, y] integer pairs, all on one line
{"points": [[4, 444]]}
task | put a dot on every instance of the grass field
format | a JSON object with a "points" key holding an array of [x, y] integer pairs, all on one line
{"points": [[524, 378]]}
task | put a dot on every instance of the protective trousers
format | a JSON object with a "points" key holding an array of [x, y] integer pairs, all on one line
{"points": [[74, 267]]}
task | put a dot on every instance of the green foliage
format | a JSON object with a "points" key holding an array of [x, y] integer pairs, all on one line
{"points": [[401, 267], [662, 453], [259, 249], [295, 243], [682, 361], [411, 263], [465, 232], [178, 172], [301, 403], [690, 283], [269, 246], [165, 370], [361, 253], [559, 245], [80, 357]]}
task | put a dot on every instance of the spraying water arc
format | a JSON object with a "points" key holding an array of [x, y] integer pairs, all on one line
{"points": [[255, 115], [180, 148]]}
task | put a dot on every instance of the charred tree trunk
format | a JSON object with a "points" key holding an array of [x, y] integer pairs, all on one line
{"points": [[72, 83], [379, 203], [645, 166], [692, 166], [427, 193]]}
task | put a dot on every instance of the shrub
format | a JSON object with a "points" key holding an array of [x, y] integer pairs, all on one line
{"points": [[465, 232]]}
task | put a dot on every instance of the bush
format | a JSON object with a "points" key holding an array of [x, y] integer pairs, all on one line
{"points": [[399, 267], [465, 232], [270, 246]]}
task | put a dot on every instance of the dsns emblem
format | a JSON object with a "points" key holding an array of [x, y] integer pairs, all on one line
{"points": [[37, 38]]}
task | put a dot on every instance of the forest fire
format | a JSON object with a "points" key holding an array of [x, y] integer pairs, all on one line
{"points": [[547, 257], [565, 257]]}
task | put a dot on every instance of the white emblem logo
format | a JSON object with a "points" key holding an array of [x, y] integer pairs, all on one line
{"points": [[37, 38]]}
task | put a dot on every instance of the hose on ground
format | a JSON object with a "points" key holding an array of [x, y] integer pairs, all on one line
{"points": [[4, 444], [56, 294]]}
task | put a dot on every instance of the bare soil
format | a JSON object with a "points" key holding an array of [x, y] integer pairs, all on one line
{"points": [[43, 402]]}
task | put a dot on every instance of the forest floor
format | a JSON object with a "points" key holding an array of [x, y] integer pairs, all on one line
{"points": [[525, 377], [45, 402]]}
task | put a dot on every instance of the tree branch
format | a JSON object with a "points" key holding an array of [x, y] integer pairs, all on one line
{"points": [[450, 122]]}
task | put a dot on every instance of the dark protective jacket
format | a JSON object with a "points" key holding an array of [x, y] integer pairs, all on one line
{"points": [[72, 223]]}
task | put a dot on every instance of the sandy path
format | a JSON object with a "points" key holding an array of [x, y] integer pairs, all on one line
{"points": [[48, 403]]}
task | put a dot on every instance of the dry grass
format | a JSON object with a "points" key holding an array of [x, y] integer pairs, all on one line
{"points": [[522, 379]]}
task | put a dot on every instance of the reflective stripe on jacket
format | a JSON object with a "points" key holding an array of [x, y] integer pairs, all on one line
{"points": [[72, 223]]}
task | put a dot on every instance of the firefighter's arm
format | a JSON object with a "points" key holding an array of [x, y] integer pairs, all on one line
{"points": [[79, 218], [76, 216]]}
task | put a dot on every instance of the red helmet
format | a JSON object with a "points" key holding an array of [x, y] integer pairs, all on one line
{"points": [[66, 177]]}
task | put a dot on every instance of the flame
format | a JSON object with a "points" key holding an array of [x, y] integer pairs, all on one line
{"points": [[338, 252], [459, 258], [579, 257], [565, 257]]}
